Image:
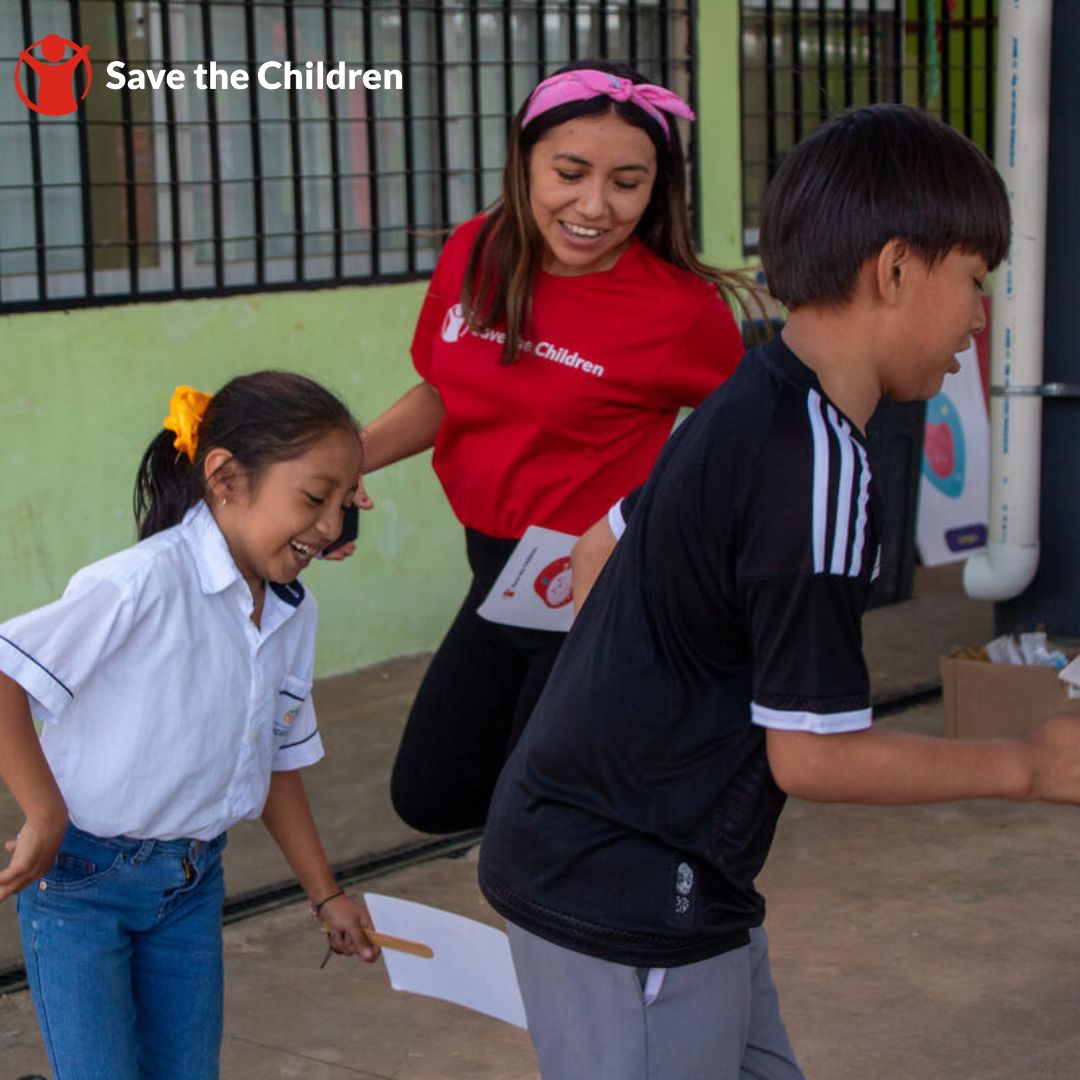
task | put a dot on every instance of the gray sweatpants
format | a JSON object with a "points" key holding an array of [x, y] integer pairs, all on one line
{"points": [[715, 1020]]}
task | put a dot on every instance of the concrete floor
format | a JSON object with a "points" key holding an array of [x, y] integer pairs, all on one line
{"points": [[907, 943]]}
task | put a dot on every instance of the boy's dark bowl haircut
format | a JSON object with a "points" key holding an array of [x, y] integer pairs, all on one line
{"points": [[865, 177]]}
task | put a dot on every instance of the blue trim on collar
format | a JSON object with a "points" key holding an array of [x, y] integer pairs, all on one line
{"points": [[293, 593]]}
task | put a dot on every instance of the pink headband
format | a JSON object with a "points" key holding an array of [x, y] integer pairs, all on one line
{"points": [[587, 83]]}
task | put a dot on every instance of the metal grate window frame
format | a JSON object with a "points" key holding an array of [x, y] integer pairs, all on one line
{"points": [[152, 237], [936, 54]]}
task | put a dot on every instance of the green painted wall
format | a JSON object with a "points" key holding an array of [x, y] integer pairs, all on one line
{"points": [[84, 391], [719, 136]]}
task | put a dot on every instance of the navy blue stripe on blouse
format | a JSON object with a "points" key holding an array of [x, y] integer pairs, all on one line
{"points": [[300, 742], [40, 665]]}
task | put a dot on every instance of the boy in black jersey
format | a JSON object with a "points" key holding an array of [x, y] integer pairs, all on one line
{"points": [[718, 666]]}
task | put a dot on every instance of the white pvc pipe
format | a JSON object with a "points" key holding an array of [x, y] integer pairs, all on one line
{"points": [[1021, 133]]}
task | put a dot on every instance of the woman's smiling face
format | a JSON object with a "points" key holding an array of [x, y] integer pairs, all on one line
{"points": [[590, 181]]}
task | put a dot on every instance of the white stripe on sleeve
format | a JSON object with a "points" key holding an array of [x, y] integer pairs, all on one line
{"points": [[818, 723], [821, 478], [860, 518], [843, 496]]}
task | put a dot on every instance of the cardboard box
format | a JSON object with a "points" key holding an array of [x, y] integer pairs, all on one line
{"points": [[984, 700]]}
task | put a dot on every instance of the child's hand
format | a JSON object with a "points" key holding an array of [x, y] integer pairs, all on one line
{"points": [[33, 851], [345, 920]]}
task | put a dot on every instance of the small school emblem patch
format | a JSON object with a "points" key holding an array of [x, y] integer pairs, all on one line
{"points": [[284, 725]]}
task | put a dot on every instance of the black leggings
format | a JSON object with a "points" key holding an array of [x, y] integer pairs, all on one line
{"points": [[473, 702]]}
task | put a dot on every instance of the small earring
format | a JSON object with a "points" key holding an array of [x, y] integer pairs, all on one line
{"points": [[223, 501]]}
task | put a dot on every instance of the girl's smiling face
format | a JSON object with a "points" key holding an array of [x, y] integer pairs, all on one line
{"points": [[590, 181], [275, 527]]}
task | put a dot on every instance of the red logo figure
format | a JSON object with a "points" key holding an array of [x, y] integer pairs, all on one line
{"points": [[55, 75], [552, 584]]}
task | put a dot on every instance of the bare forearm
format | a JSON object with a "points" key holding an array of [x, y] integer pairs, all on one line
{"points": [[406, 428], [287, 816], [26, 773], [885, 767], [587, 559], [23, 767]]}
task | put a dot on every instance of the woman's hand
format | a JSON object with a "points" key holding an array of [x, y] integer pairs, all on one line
{"points": [[340, 553], [363, 500], [345, 920], [408, 427]]}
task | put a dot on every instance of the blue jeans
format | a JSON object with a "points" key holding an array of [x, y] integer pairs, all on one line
{"points": [[122, 945]]}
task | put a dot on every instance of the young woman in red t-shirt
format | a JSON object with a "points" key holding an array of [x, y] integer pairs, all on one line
{"points": [[561, 333]]}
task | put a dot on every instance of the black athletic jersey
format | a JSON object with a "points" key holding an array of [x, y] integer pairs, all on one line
{"points": [[638, 807]]}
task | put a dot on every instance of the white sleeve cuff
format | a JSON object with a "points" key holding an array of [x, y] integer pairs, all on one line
{"points": [[615, 520], [818, 723], [299, 754], [49, 697]]}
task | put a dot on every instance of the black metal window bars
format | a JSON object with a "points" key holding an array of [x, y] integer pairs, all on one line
{"points": [[149, 194], [804, 60]]}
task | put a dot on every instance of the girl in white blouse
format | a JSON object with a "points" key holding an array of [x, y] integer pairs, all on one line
{"points": [[173, 683]]}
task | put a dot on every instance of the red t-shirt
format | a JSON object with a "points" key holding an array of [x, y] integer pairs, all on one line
{"points": [[559, 436]]}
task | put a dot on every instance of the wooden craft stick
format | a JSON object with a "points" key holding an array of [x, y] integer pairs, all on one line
{"points": [[388, 941]]}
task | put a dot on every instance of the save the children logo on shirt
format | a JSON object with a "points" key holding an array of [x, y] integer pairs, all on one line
{"points": [[55, 66], [455, 327], [454, 324], [47, 69]]}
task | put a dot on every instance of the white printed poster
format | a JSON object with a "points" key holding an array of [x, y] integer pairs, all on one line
{"points": [[954, 488], [533, 589]]}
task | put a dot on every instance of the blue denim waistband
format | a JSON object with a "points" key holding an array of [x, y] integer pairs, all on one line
{"points": [[150, 846]]}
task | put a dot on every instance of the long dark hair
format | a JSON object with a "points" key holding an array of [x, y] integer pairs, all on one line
{"points": [[508, 250], [261, 419]]}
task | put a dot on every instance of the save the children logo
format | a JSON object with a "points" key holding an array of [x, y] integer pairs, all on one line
{"points": [[455, 327], [55, 67], [56, 60], [454, 324]]}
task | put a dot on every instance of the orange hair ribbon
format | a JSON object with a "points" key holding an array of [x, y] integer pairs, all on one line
{"points": [[186, 409]]}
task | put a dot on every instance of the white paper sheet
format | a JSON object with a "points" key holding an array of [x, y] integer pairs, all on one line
{"points": [[471, 965], [1070, 675], [533, 589], [955, 484]]}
